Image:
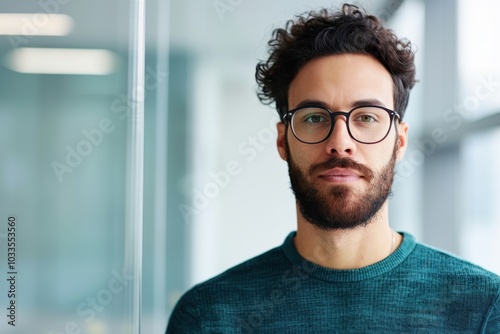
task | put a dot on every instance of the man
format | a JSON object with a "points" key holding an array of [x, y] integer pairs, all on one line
{"points": [[341, 84]]}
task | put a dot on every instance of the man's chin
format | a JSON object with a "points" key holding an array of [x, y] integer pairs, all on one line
{"points": [[337, 222], [340, 209], [342, 193]]}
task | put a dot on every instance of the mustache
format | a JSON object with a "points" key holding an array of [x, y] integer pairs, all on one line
{"points": [[336, 162]]}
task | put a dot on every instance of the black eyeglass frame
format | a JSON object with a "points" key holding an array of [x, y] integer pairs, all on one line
{"points": [[333, 114]]}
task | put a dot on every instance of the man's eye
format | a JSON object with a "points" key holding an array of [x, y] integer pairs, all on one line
{"points": [[314, 119], [366, 118]]}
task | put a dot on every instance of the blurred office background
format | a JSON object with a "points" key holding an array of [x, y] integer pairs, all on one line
{"points": [[215, 190]]}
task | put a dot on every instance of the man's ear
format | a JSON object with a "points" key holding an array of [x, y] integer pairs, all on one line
{"points": [[402, 140], [281, 140]]}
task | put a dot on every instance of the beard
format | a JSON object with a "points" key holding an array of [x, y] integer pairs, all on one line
{"points": [[338, 207]]}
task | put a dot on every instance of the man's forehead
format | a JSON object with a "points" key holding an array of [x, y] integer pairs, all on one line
{"points": [[346, 79]]}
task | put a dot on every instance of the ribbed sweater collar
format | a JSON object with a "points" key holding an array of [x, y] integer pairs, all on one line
{"points": [[354, 275]]}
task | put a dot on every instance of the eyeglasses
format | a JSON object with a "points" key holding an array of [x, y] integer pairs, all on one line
{"points": [[365, 124]]}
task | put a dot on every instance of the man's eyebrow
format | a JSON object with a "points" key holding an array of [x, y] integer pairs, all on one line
{"points": [[366, 102], [312, 103]]}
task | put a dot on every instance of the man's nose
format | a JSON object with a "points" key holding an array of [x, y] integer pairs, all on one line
{"points": [[340, 142]]}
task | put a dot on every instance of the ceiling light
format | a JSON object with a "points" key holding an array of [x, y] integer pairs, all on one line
{"points": [[62, 61], [39, 24]]}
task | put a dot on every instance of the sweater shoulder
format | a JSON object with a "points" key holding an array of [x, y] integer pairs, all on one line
{"points": [[243, 279], [250, 272], [433, 260], [219, 296]]}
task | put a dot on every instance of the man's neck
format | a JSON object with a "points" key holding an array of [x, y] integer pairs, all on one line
{"points": [[347, 249]]}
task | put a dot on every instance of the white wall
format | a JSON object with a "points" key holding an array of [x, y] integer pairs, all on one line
{"points": [[241, 184]]}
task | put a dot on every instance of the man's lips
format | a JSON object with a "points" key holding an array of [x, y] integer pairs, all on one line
{"points": [[340, 175]]}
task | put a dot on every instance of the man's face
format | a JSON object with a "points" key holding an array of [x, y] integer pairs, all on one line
{"points": [[340, 183]]}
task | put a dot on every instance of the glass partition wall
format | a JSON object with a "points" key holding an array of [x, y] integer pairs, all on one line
{"points": [[80, 87]]}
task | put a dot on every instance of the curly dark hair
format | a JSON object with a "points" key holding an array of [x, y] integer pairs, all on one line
{"points": [[317, 34]]}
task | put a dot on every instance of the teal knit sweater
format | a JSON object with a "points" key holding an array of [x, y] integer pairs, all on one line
{"points": [[417, 289]]}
